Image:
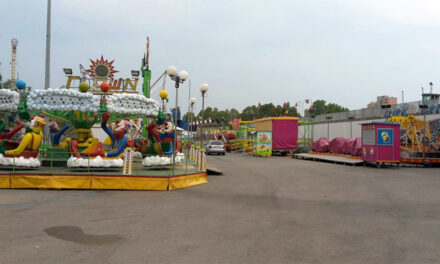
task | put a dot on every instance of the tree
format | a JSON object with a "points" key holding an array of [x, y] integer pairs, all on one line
{"points": [[319, 107], [249, 113], [193, 116], [7, 84], [234, 113]]}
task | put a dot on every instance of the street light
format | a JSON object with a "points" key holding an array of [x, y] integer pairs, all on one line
{"points": [[203, 89], [178, 79], [135, 74], [67, 71], [192, 101]]}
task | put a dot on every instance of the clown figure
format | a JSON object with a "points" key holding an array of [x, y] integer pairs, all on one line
{"points": [[118, 138]]}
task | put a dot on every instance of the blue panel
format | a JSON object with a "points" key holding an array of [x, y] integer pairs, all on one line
{"points": [[385, 136]]}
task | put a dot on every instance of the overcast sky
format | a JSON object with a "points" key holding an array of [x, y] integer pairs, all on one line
{"points": [[343, 51]]}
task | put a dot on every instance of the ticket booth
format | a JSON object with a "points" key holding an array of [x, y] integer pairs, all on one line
{"points": [[381, 143]]}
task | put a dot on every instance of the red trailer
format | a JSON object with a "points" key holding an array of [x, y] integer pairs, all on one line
{"points": [[284, 132]]}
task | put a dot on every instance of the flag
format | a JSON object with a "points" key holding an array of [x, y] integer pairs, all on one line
{"points": [[284, 105], [307, 101], [311, 107], [259, 105], [296, 105]]}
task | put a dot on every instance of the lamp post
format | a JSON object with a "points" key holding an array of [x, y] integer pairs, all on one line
{"points": [[203, 89], [192, 101], [178, 79], [47, 62]]}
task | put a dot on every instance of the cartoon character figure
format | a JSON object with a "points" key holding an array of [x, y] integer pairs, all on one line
{"points": [[168, 127], [31, 141], [167, 136], [385, 137], [154, 129]]}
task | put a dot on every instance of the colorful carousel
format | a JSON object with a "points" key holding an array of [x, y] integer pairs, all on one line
{"points": [[47, 141]]}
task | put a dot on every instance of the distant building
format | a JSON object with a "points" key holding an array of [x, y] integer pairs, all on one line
{"points": [[383, 101], [372, 105]]}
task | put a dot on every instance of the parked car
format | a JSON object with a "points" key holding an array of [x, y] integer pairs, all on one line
{"points": [[215, 146]]}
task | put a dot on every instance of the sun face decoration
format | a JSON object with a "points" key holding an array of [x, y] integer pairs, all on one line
{"points": [[101, 68]]}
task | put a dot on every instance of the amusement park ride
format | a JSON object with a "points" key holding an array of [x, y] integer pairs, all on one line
{"points": [[420, 139], [59, 133]]}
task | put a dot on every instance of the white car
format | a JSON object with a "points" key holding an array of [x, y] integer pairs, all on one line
{"points": [[215, 146]]}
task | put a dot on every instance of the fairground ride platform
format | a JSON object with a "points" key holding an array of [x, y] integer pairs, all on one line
{"points": [[339, 159], [157, 179]]}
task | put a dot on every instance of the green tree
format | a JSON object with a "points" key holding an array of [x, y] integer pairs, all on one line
{"points": [[234, 113], [249, 113], [185, 116], [320, 107]]}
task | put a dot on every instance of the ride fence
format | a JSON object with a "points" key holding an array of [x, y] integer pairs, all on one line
{"points": [[59, 161]]}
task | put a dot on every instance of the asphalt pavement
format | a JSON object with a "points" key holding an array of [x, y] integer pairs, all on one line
{"points": [[261, 210]]}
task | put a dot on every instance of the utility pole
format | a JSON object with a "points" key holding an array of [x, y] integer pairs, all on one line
{"points": [[146, 74], [47, 65]]}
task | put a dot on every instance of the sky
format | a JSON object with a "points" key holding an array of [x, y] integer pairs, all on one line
{"points": [[249, 51]]}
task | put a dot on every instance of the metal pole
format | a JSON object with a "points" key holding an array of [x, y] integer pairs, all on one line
{"points": [[203, 117], [175, 122], [47, 65], [190, 118], [146, 74], [424, 135], [189, 109], [424, 124]]}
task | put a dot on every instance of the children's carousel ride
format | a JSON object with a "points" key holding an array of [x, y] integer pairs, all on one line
{"points": [[59, 149]]}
